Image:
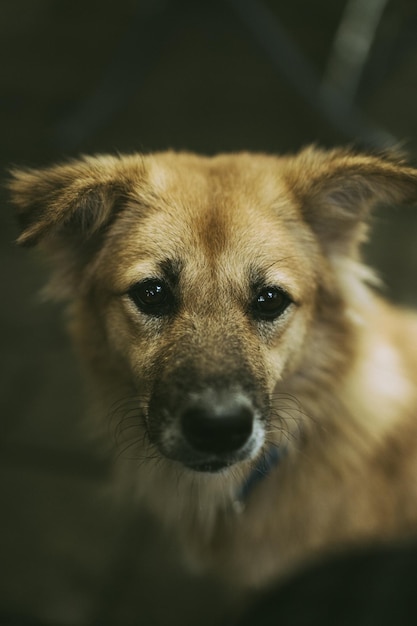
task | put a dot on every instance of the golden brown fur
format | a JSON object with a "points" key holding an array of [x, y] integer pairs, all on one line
{"points": [[332, 380]]}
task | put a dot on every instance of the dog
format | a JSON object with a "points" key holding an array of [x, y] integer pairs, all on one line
{"points": [[263, 390]]}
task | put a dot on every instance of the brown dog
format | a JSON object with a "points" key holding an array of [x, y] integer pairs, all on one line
{"points": [[232, 332]]}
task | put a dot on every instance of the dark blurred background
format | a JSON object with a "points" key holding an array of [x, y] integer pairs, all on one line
{"points": [[81, 76]]}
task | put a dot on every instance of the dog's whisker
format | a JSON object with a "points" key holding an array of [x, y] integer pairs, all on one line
{"points": [[119, 413], [289, 410], [134, 418], [143, 456], [125, 431]]}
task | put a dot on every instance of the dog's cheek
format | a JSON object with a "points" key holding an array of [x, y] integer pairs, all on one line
{"points": [[283, 352], [129, 340]]}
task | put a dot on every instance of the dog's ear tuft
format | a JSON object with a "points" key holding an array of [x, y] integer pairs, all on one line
{"points": [[337, 190], [76, 198]]}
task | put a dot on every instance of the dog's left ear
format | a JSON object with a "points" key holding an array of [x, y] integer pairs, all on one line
{"points": [[66, 210], [76, 199], [337, 190]]}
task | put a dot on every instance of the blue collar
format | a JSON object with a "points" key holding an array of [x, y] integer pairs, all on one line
{"points": [[266, 463]]}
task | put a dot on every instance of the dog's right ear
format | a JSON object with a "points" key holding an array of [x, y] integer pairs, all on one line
{"points": [[338, 189], [75, 199]]}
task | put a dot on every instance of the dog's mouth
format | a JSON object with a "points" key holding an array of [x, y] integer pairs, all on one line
{"points": [[210, 461], [175, 447], [211, 432]]}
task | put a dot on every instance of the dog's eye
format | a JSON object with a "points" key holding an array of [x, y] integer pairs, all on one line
{"points": [[270, 303], [152, 297]]}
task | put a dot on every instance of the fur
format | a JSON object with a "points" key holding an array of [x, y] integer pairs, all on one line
{"points": [[332, 379]]}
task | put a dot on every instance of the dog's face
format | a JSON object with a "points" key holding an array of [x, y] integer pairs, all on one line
{"points": [[208, 300], [206, 284]]}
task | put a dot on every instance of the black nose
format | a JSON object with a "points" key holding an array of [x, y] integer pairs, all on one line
{"points": [[217, 429]]}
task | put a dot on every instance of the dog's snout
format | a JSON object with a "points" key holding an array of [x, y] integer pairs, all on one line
{"points": [[217, 429]]}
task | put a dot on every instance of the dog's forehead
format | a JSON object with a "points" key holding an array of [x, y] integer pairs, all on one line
{"points": [[207, 181], [229, 212]]}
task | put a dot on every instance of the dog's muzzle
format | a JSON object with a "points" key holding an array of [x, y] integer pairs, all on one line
{"points": [[210, 431]]}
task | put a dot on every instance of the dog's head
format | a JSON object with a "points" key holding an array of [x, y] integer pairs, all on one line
{"points": [[209, 289]]}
